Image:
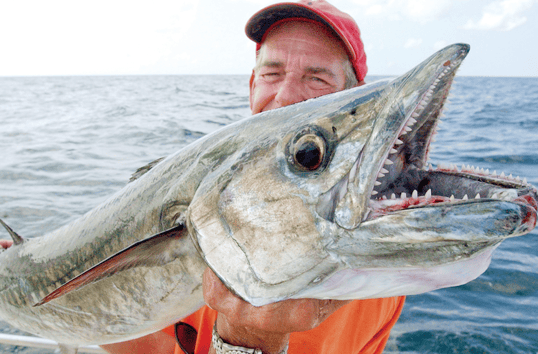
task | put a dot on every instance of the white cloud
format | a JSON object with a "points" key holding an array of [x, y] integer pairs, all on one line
{"points": [[502, 15], [414, 10], [413, 43]]}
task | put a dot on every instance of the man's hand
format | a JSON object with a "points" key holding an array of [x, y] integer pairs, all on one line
{"points": [[267, 327]]}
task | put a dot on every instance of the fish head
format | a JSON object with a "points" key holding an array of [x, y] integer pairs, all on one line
{"points": [[301, 201]]}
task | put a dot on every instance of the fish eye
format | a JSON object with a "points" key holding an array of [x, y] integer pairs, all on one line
{"points": [[309, 152]]}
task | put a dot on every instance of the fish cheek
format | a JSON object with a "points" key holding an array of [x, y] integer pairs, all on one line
{"points": [[272, 224]]}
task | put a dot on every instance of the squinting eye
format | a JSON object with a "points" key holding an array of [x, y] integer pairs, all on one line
{"points": [[319, 80], [309, 152], [270, 76]]}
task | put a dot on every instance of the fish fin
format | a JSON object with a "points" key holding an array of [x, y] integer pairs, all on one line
{"points": [[142, 170], [154, 250], [67, 349], [17, 239]]}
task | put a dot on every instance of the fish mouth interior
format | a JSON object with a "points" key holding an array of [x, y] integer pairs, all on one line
{"points": [[405, 180]]}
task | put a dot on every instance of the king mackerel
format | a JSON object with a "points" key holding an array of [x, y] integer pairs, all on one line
{"points": [[328, 198]]}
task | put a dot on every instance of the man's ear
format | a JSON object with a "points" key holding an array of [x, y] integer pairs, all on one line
{"points": [[251, 88]]}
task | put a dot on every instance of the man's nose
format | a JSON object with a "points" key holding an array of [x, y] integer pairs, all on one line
{"points": [[289, 92]]}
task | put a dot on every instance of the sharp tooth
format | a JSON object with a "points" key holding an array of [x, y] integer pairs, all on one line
{"points": [[398, 142], [477, 196], [403, 195], [384, 197], [465, 197], [518, 179], [383, 170], [428, 193], [510, 177], [487, 171], [502, 175], [413, 115], [393, 196], [494, 173], [380, 175], [452, 198], [377, 183], [525, 180], [415, 194], [495, 196], [388, 162], [374, 192], [407, 129], [430, 167], [411, 120], [393, 151]]}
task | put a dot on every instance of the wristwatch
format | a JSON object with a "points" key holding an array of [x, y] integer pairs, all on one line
{"points": [[225, 348]]}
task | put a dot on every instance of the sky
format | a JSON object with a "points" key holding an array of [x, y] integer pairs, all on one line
{"points": [[178, 37]]}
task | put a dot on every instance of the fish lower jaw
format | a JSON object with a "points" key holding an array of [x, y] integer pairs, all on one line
{"points": [[350, 283], [456, 186]]}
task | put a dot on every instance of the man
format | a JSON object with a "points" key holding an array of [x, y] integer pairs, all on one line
{"points": [[304, 50]]}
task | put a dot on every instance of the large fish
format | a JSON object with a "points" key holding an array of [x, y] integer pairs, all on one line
{"points": [[329, 198]]}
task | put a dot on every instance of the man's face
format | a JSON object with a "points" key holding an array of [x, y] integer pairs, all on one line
{"points": [[297, 61]]}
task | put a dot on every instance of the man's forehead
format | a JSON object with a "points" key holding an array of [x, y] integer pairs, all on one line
{"points": [[305, 35]]}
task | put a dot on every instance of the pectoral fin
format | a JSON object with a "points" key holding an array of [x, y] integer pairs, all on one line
{"points": [[154, 250]]}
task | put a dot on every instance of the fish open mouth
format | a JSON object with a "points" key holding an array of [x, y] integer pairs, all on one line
{"points": [[405, 180], [402, 177]]}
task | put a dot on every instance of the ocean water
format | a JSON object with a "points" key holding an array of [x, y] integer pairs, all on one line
{"points": [[68, 143]]}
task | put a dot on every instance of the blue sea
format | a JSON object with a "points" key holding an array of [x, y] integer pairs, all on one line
{"points": [[68, 143]]}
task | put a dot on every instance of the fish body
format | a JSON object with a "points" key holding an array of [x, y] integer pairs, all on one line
{"points": [[329, 198]]}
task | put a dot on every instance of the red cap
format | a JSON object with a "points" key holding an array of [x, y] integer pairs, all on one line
{"points": [[320, 11]]}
